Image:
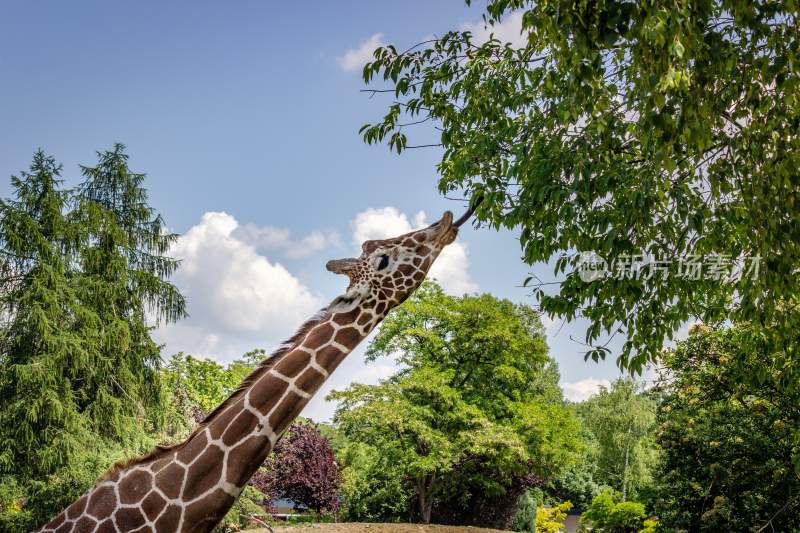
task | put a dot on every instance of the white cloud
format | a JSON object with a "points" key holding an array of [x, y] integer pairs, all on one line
{"points": [[313, 242], [450, 269], [237, 298], [509, 30], [381, 223], [265, 237], [356, 58], [192, 339], [270, 238], [583, 389]]}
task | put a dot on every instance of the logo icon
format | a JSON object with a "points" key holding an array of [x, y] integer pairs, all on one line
{"points": [[591, 266]]}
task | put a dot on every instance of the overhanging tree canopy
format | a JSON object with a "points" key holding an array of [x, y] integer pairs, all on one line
{"points": [[667, 129]]}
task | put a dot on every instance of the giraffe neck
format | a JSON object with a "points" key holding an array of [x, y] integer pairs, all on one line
{"points": [[191, 486]]}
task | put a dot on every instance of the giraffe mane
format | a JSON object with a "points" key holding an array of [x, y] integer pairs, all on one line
{"points": [[263, 367]]}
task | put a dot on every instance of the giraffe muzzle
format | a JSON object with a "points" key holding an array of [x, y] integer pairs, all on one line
{"points": [[341, 266], [446, 232]]}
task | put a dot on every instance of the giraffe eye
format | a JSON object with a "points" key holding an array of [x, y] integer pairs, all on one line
{"points": [[384, 262]]}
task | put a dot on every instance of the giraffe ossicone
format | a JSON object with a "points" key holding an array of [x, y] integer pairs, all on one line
{"points": [[188, 487]]}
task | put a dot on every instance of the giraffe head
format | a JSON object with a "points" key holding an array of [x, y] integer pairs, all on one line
{"points": [[389, 270]]}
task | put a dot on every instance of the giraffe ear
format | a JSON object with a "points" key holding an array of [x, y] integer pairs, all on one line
{"points": [[349, 300], [341, 266]]}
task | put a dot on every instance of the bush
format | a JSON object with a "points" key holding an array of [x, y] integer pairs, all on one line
{"points": [[650, 526], [525, 519], [551, 519], [27, 504], [14, 516], [607, 514], [302, 468]]}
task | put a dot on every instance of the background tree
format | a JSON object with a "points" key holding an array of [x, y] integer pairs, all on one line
{"points": [[496, 348], [303, 470], [197, 386], [42, 420], [124, 273], [204, 383], [79, 377], [423, 426], [731, 448], [474, 415], [621, 421], [48, 449], [622, 128]]}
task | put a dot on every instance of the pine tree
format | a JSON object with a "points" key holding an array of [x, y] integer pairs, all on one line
{"points": [[123, 278], [80, 290], [83, 279], [43, 357]]}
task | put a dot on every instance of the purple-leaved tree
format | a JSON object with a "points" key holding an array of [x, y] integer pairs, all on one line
{"points": [[302, 469]]}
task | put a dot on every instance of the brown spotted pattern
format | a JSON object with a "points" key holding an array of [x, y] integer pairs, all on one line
{"points": [[189, 487]]}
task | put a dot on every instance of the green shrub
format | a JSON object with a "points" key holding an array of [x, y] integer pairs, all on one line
{"points": [[14, 516], [525, 519], [650, 526], [26, 504], [607, 514]]}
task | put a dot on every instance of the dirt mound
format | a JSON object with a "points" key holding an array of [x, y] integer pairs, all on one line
{"points": [[357, 527]]}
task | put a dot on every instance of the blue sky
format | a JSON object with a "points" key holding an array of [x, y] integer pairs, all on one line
{"points": [[245, 117]]}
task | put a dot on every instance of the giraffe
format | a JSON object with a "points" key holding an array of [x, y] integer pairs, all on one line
{"points": [[190, 486]]}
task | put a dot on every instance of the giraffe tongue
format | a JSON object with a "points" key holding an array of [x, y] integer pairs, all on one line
{"points": [[469, 212]]}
